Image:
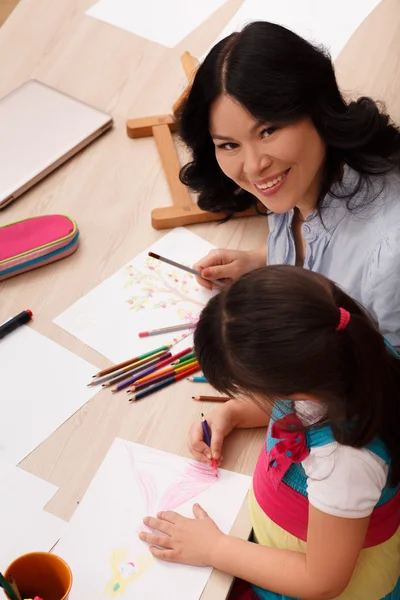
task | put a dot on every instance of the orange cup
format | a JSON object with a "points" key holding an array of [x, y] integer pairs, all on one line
{"points": [[41, 574]]}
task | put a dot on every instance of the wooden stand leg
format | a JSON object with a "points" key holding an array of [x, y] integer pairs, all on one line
{"points": [[183, 210], [171, 165], [190, 66]]}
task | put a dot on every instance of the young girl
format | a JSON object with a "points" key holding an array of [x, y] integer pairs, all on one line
{"points": [[266, 123], [325, 499]]}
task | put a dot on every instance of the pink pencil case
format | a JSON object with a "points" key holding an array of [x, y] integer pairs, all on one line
{"points": [[34, 242]]}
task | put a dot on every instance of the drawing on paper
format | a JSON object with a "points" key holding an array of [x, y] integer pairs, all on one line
{"points": [[125, 571], [195, 479], [155, 287]]}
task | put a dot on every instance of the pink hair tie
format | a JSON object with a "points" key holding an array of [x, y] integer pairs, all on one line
{"points": [[344, 319]]}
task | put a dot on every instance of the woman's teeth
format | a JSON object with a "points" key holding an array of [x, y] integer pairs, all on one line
{"points": [[270, 184]]}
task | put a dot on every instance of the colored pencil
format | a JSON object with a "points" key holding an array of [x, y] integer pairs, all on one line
{"points": [[207, 439], [154, 377], [7, 587], [143, 334], [128, 369], [198, 379], [211, 398], [130, 361], [184, 268], [186, 362], [162, 384], [159, 358], [185, 358], [14, 586], [135, 388], [145, 372], [170, 369]]}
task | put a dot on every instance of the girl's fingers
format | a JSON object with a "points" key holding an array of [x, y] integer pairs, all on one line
{"points": [[164, 541]]}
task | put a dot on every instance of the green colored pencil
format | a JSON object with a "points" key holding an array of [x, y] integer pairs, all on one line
{"points": [[7, 588]]}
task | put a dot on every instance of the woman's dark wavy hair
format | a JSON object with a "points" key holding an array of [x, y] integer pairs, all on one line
{"points": [[272, 334], [280, 78]]}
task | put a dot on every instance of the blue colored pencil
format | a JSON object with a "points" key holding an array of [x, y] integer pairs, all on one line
{"points": [[198, 379]]}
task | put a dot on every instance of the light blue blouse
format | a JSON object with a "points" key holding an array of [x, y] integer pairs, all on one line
{"points": [[359, 250]]}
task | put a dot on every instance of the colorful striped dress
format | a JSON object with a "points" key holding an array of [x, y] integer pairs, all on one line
{"points": [[279, 501]]}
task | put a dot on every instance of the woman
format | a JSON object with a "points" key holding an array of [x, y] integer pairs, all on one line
{"points": [[265, 121]]}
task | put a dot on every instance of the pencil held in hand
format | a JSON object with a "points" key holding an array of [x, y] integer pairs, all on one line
{"points": [[207, 439], [183, 268]]}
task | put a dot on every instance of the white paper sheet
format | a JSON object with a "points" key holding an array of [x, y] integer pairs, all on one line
{"points": [[41, 386], [145, 294], [102, 546], [24, 526], [31, 531], [18, 487], [166, 22], [329, 23]]}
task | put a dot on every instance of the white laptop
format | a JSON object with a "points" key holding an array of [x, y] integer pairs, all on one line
{"points": [[41, 128]]}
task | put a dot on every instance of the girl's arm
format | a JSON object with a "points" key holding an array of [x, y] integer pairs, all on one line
{"points": [[324, 572], [247, 415]]}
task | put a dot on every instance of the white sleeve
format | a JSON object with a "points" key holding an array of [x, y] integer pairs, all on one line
{"points": [[343, 481]]}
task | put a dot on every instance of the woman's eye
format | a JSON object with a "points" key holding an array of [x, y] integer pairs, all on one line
{"points": [[268, 131], [228, 146]]}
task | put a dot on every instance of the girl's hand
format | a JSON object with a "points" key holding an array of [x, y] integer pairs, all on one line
{"points": [[228, 265], [182, 540], [221, 423]]}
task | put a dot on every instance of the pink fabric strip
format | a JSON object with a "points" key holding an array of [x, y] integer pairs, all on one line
{"points": [[289, 509]]}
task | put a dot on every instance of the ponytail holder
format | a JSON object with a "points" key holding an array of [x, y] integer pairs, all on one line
{"points": [[344, 319]]}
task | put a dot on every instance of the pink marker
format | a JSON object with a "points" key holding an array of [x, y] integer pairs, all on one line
{"points": [[179, 327]]}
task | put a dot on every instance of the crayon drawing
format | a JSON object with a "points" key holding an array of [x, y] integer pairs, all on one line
{"points": [[125, 571], [143, 294], [195, 479], [102, 545]]}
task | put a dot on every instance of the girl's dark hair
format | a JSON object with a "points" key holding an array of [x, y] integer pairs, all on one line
{"points": [[280, 78], [272, 334]]}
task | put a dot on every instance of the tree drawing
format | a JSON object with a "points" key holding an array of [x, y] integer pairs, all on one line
{"points": [[155, 287]]}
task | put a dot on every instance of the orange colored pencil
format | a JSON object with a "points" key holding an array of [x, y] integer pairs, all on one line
{"points": [[172, 371], [126, 363]]}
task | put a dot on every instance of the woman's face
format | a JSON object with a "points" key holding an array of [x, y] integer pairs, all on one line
{"points": [[279, 166]]}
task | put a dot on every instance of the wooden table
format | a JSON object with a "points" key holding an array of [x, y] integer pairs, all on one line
{"points": [[110, 189]]}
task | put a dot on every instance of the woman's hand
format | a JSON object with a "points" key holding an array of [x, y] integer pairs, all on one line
{"points": [[228, 265], [182, 540], [221, 422]]}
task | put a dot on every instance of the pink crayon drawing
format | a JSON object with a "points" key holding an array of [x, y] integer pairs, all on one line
{"points": [[194, 480]]}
